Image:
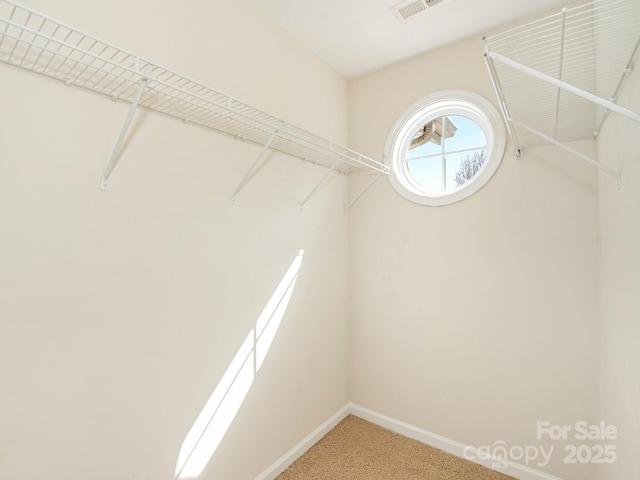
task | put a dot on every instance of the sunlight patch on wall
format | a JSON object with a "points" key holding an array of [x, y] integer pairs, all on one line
{"points": [[269, 321], [217, 415]]}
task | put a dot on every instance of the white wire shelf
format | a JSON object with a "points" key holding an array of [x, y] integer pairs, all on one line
{"points": [[557, 78], [36, 42]]}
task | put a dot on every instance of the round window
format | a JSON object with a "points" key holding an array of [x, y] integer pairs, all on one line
{"points": [[445, 147]]}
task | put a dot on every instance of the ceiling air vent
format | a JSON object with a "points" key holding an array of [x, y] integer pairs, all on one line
{"points": [[412, 8]]}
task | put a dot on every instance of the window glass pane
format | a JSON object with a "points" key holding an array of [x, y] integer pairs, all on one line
{"points": [[467, 134], [427, 172], [424, 156], [428, 148]]}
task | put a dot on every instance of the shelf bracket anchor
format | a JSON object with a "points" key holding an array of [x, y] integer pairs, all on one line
{"points": [[497, 88], [363, 191], [253, 166], [319, 184], [104, 185]]}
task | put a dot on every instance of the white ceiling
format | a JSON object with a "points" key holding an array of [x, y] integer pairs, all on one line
{"points": [[358, 36]]}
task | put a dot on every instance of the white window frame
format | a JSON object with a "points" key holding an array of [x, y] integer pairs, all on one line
{"points": [[444, 103]]}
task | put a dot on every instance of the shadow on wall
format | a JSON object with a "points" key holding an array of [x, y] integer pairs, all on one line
{"points": [[217, 415]]}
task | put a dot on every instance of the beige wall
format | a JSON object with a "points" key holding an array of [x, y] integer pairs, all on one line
{"points": [[478, 319], [121, 310], [619, 253]]}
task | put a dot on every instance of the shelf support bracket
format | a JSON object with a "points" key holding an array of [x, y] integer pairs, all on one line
{"points": [[627, 70], [319, 184], [362, 192], [253, 166], [560, 65], [501, 100], [104, 185]]}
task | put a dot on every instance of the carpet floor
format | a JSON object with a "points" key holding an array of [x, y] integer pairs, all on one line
{"points": [[358, 450]]}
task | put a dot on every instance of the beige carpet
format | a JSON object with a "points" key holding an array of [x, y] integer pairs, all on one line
{"points": [[358, 450]]}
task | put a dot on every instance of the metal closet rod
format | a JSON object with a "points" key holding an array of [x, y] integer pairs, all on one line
{"points": [[36, 42]]}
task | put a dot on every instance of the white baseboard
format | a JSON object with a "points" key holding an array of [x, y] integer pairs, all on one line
{"points": [[298, 450], [521, 472]]}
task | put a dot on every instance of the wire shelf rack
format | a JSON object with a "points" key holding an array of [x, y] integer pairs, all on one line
{"points": [[557, 78], [38, 43]]}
